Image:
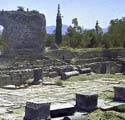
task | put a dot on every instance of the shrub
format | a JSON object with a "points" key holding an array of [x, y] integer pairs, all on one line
{"points": [[59, 83], [120, 108]]}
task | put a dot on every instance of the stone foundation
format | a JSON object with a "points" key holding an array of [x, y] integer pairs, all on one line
{"points": [[119, 93], [86, 102], [37, 111]]}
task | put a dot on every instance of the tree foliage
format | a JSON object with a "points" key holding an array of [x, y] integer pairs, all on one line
{"points": [[76, 37], [90, 38], [117, 32], [58, 32], [74, 34], [50, 39]]}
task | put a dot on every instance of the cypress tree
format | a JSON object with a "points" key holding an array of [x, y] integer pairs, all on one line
{"points": [[58, 34], [97, 27]]}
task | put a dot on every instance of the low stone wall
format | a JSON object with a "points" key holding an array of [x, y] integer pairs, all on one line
{"points": [[16, 77], [109, 67], [66, 55]]}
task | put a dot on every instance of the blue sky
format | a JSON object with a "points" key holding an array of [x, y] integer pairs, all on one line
{"points": [[87, 11]]}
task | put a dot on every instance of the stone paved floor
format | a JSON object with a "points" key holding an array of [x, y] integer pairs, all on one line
{"points": [[12, 101]]}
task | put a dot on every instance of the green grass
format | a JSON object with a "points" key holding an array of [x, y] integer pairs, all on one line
{"points": [[81, 49], [59, 83], [105, 115], [96, 76], [87, 49], [106, 95], [120, 108]]}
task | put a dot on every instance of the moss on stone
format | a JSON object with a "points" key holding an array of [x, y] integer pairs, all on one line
{"points": [[105, 115]]}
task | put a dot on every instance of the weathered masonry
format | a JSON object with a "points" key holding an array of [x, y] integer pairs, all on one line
{"points": [[24, 32]]}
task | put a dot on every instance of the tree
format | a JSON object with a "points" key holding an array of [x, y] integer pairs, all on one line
{"points": [[116, 32], [50, 38], [74, 34], [106, 42], [58, 34], [75, 23], [90, 38], [99, 34], [97, 27]]}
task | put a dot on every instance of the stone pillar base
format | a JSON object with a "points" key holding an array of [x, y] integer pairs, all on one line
{"points": [[86, 102], [37, 111], [119, 93]]}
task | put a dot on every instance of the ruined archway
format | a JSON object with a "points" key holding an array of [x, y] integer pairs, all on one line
{"points": [[1, 38]]}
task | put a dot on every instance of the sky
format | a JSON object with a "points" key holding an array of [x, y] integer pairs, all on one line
{"points": [[86, 11]]}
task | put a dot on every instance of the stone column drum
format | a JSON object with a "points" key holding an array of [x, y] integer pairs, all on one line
{"points": [[37, 73], [119, 93], [37, 111], [86, 102]]}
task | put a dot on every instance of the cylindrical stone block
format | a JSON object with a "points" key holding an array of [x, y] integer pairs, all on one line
{"points": [[37, 111], [119, 93], [86, 102]]}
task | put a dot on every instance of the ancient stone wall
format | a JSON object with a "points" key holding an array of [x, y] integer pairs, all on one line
{"points": [[88, 55], [24, 32], [103, 61]]}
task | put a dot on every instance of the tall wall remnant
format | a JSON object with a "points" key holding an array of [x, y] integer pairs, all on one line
{"points": [[24, 32]]}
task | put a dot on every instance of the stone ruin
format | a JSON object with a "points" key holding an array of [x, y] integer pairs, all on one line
{"points": [[24, 39], [84, 104], [24, 33], [105, 61]]}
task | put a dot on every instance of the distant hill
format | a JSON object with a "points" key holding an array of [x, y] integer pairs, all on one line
{"points": [[51, 29], [105, 30]]}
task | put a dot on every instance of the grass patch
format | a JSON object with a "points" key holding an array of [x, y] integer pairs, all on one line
{"points": [[80, 78], [85, 77], [105, 115], [120, 108], [106, 95], [87, 49], [59, 83], [81, 49]]}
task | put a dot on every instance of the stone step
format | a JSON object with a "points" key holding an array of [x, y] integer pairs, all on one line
{"points": [[60, 110]]}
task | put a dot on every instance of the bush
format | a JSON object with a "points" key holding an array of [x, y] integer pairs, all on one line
{"points": [[120, 108], [59, 83]]}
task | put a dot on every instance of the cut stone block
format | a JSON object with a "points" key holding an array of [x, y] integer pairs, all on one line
{"points": [[119, 93], [53, 74], [85, 70], [37, 111], [60, 110], [66, 75], [86, 102], [37, 73]]}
